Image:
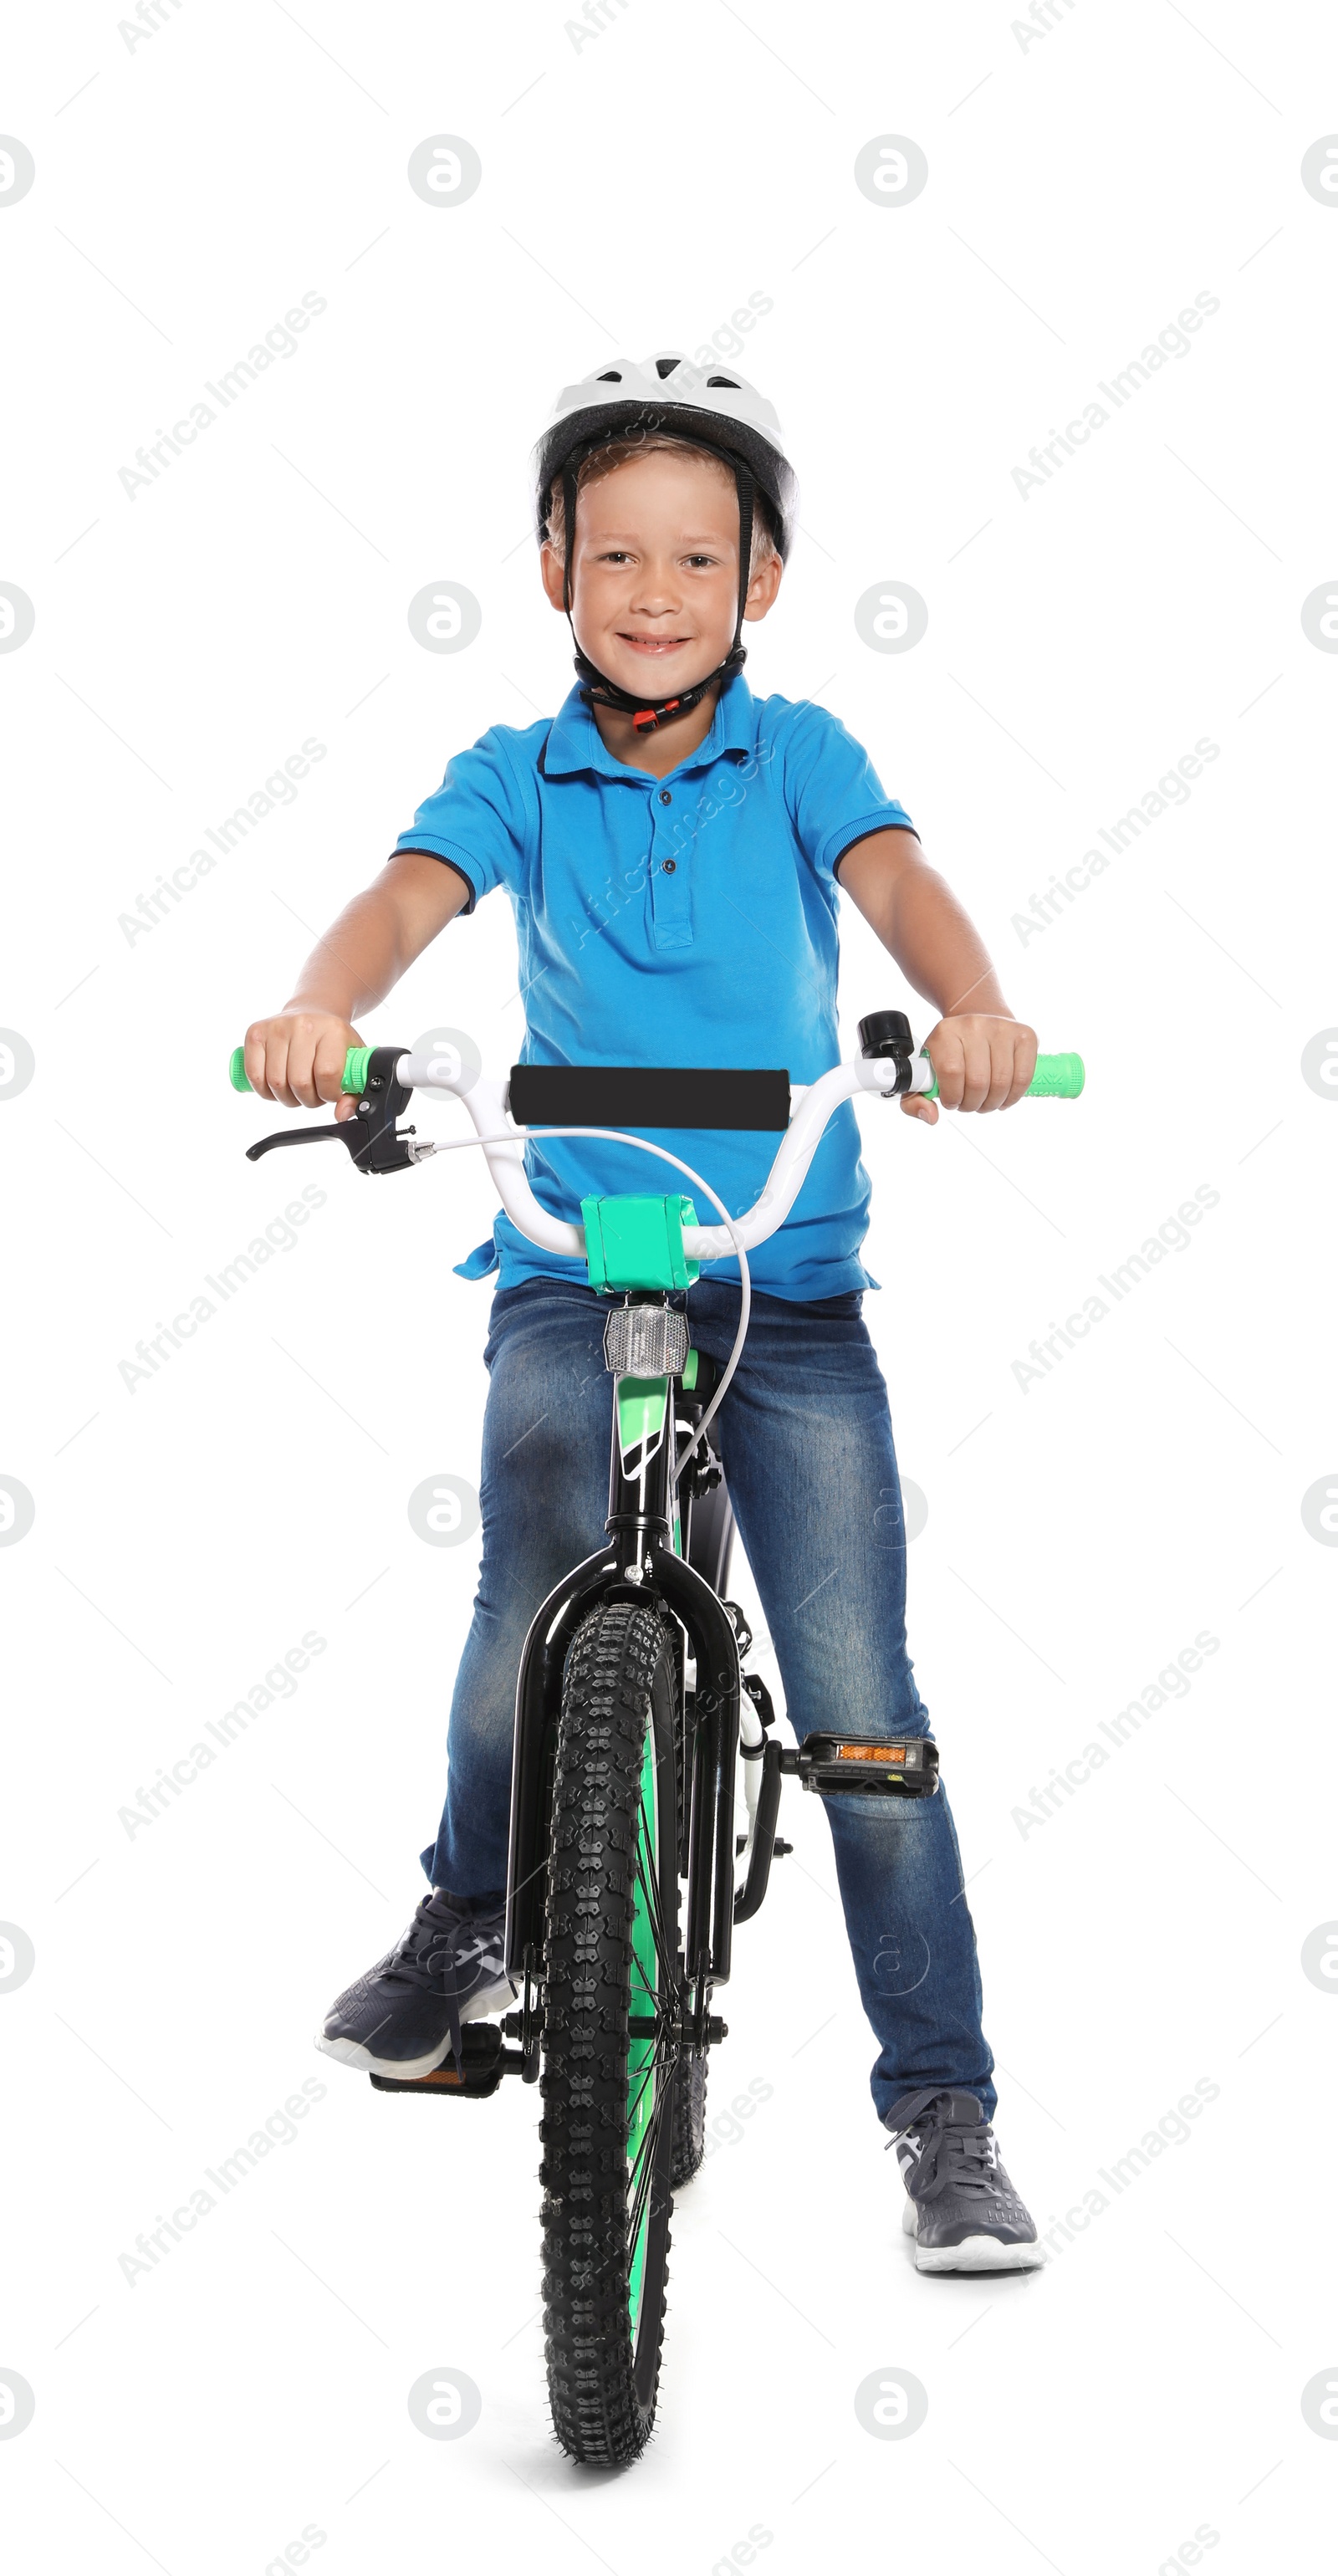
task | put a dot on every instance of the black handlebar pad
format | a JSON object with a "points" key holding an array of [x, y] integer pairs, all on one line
{"points": [[638, 1095]]}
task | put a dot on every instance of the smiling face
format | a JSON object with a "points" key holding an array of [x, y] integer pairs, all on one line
{"points": [[655, 571]]}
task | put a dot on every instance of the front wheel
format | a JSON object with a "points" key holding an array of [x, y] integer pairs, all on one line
{"points": [[610, 2056]]}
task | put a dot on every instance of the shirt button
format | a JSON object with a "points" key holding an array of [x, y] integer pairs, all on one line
{"points": [[665, 797], [668, 866]]}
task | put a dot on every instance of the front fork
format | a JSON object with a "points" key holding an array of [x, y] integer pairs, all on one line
{"points": [[642, 1559]]}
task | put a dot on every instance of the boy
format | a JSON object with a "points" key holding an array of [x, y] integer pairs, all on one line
{"points": [[672, 848]]}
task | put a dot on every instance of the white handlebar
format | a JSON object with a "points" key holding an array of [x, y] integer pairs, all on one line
{"points": [[504, 1151]]}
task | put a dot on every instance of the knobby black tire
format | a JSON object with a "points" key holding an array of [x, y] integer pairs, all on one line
{"points": [[689, 2121], [619, 1680]]}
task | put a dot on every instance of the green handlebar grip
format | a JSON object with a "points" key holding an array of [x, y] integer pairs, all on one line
{"points": [[354, 1079], [1057, 1077]]}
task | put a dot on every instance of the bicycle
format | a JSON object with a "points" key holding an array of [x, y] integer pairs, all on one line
{"points": [[632, 1705]]}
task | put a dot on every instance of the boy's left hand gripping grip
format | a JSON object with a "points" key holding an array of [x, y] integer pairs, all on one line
{"points": [[354, 1076], [1057, 1077]]}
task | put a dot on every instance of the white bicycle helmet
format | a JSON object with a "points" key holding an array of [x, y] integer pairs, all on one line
{"points": [[713, 409]]}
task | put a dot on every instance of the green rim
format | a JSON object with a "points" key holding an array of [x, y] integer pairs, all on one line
{"points": [[642, 2085]]}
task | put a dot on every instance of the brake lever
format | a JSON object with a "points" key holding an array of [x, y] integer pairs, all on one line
{"points": [[371, 1135]]}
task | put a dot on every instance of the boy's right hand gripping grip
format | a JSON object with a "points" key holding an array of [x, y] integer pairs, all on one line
{"points": [[354, 1076]]}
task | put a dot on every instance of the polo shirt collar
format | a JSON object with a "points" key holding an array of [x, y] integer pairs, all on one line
{"points": [[574, 741]]}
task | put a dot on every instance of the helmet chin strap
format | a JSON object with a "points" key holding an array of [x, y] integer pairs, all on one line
{"points": [[649, 714]]}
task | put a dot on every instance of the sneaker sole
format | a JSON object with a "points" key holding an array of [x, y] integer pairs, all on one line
{"points": [[350, 2052], [975, 2253], [980, 2254], [353, 2052]]}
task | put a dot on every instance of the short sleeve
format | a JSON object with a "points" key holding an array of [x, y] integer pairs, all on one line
{"points": [[476, 820], [834, 794]]}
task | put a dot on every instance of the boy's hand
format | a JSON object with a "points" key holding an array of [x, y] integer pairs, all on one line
{"points": [[298, 1058], [979, 1063]]}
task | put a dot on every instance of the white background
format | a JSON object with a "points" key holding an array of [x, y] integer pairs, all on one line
{"points": [[636, 190]]}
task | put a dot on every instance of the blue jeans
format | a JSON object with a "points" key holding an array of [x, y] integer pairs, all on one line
{"points": [[806, 1440]]}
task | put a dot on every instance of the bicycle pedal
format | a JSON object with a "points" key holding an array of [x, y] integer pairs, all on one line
{"points": [[837, 1766], [484, 2062]]}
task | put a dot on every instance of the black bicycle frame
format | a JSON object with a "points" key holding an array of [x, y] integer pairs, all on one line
{"points": [[638, 1562]]}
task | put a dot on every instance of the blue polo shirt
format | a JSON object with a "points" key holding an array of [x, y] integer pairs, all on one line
{"points": [[686, 920]]}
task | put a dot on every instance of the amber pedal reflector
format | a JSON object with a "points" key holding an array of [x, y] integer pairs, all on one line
{"points": [[871, 1753]]}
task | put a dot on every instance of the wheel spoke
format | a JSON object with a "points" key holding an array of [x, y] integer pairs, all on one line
{"points": [[663, 2064], [648, 1992], [652, 1896], [647, 2168], [661, 2058]]}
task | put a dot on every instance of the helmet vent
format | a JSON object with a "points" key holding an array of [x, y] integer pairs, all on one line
{"points": [[730, 383], [665, 367], [611, 376]]}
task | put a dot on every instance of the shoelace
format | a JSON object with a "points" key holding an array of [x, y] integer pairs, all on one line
{"points": [[445, 1951], [954, 2151]]}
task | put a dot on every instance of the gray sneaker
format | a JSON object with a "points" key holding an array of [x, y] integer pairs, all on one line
{"points": [[961, 2208], [404, 2016]]}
